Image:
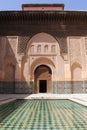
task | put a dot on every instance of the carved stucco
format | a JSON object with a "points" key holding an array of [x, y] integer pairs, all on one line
{"points": [[23, 41], [75, 50]]}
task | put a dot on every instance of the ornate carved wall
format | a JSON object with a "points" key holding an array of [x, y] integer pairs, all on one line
{"points": [[62, 48]]}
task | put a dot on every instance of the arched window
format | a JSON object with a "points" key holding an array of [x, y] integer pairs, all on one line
{"points": [[53, 49], [46, 48], [39, 48], [32, 49]]}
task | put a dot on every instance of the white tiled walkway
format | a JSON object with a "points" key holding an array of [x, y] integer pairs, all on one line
{"points": [[80, 98]]}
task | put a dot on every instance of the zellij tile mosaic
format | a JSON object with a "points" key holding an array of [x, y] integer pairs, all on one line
{"points": [[43, 115]]}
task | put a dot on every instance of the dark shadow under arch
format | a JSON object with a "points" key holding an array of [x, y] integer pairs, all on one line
{"points": [[43, 79], [50, 71]]}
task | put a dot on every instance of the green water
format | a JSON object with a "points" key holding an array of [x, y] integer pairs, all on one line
{"points": [[43, 115]]}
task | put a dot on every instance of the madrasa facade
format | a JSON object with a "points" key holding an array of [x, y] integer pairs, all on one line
{"points": [[43, 49]]}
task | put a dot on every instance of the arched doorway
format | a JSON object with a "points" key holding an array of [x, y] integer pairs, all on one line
{"points": [[43, 79]]}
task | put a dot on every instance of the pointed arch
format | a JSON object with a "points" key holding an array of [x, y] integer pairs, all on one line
{"points": [[42, 79], [40, 61], [76, 69]]}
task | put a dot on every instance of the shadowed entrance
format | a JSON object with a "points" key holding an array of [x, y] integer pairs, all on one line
{"points": [[43, 86], [42, 79]]}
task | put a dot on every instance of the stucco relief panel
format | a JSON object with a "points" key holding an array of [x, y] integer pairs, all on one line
{"points": [[75, 50], [33, 58]]}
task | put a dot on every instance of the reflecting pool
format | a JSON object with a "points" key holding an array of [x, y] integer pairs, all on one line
{"points": [[43, 115]]}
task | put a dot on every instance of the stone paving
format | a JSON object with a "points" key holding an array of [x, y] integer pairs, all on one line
{"points": [[80, 98]]}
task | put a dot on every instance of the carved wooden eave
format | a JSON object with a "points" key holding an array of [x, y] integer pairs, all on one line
{"points": [[60, 17]]}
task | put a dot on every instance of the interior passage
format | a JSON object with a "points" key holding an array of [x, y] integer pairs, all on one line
{"points": [[43, 86]]}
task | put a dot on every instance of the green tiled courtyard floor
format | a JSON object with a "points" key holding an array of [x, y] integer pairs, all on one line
{"points": [[43, 115]]}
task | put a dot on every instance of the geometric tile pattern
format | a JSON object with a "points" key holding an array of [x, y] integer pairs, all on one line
{"points": [[43, 115]]}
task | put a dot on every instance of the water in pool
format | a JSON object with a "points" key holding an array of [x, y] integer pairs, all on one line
{"points": [[43, 115]]}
